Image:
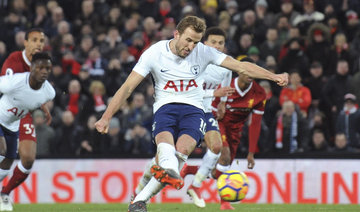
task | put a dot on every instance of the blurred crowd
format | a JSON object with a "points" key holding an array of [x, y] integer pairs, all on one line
{"points": [[95, 44]]}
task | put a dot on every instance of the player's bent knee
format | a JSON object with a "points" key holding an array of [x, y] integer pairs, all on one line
{"points": [[27, 160], [216, 148]]}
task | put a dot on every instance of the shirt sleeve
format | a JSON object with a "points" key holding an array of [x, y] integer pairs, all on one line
{"points": [[213, 55], [6, 83], [143, 66], [226, 83]]}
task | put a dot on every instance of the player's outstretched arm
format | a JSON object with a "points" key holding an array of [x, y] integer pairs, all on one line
{"points": [[254, 71], [118, 100], [47, 113]]}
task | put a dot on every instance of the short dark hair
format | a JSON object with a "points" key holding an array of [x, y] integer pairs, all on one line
{"points": [[214, 31], [41, 56], [32, 30], [194, 22]]}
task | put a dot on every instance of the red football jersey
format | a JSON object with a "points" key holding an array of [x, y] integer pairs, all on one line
{"points": [[17, 62], [241, 103], [238, 108]]}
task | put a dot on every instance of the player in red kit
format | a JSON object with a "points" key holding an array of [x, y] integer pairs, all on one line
{"points": [[248, 101], [19, 62]]}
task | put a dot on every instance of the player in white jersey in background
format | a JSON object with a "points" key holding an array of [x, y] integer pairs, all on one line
{"points": [[22, 93], [213, 76], [178, 124]]}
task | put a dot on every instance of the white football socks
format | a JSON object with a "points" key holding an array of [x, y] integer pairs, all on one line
{"points": [[167, 158], [182, 158], [151, 189], [208, 163], [223, 168], [146, 176]]}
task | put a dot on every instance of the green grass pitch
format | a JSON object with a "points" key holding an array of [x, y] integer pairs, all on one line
{"points": [[176, 207]]}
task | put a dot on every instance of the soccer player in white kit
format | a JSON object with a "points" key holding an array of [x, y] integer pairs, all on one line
{"points": [[22, 93], [178, 124], [213, 76]]}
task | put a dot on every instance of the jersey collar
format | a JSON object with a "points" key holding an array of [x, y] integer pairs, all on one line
{"points": [[241, 93], [27, 61]]}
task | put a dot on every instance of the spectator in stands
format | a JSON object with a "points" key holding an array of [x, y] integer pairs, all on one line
{"points": [[233, 10], [244, 43], [272, 105], [150, 32], [341, 51], [50, 27], [138, 140], [318, 121], [115, 18], [289, 130], [91, 142], [115, 138], [96, 64], [318, 49], [295, 58], [297, 93], [87, 15], [139, 112], [208, 10], [19, 41], [352, 24], [348, 121], [250, 25], [316, 82], [13, 23], [287, 10], [254, 53], [38, 19], [82, 52], [45, 134], [127, 60], [112, 44], [75, 101], [337, 86], [318, 142], [283, 26], [98, 97], [270, 46], [262, 13], [131, 26], [137, 45], [308, 17], [68, 135], [341, 144]]}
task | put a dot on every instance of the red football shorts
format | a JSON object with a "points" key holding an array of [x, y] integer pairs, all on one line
{"points": [[230, 136], [27, 129]]}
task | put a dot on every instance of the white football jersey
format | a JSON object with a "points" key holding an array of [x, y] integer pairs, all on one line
{"points": [[176, 79], [213, 76], [19, 98]]}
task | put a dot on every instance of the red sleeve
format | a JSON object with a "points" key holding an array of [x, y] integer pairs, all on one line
{"points": [[254, 131], [16, 63]]}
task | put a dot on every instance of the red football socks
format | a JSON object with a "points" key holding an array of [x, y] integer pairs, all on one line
{"points": [[17, 178]]}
